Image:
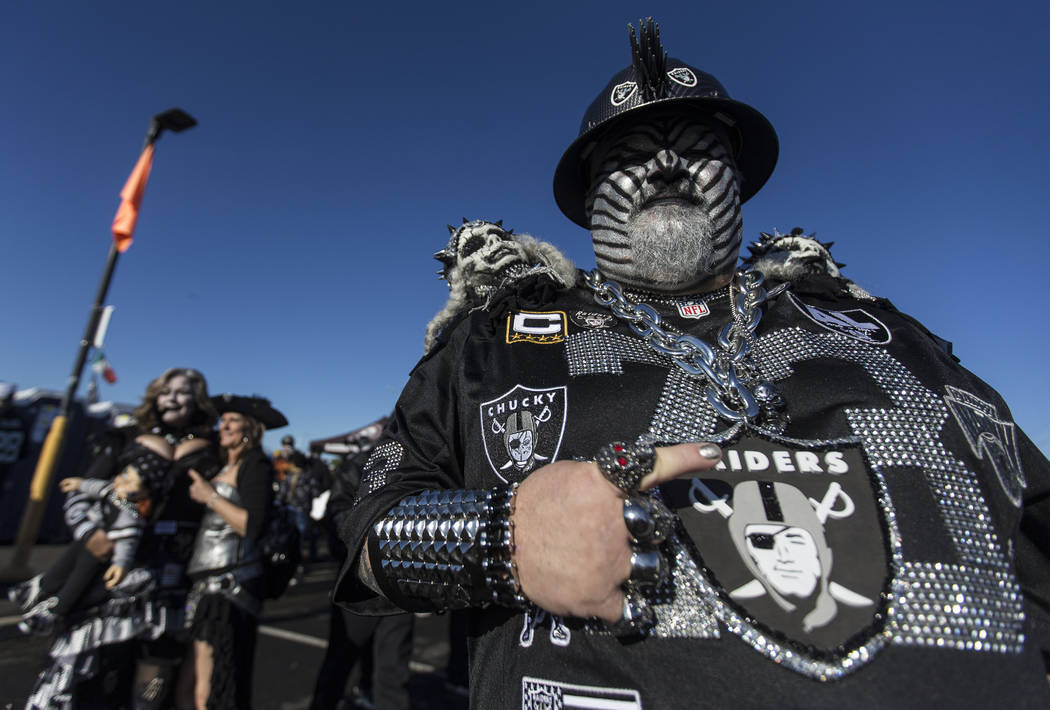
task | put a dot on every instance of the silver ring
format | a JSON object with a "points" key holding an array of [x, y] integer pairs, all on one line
{"points": [[625, 465], [637, 618], [648, 568], [648, 523]]}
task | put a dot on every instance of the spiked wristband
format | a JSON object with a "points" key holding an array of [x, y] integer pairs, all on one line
{"points": [[451, 549]]}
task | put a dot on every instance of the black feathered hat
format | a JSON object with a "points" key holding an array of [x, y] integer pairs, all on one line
{"points": [[652, 83], [259, 408]]}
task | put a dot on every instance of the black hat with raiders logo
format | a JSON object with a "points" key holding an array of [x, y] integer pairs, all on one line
{"points": [[652, 83], [259, 408]]}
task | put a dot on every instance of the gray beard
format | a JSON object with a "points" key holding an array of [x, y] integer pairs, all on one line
{"points": [[671, 248]]}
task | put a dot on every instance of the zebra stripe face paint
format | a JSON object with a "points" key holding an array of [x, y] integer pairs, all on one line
{"points": [[664, 206]]}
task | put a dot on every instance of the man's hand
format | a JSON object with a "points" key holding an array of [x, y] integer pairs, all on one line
{"points": [[572, 546], [99, 545], [113, 575]]}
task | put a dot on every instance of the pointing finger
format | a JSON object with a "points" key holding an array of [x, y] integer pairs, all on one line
{"points": [[674, 461]]}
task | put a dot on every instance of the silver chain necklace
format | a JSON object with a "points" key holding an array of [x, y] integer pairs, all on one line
{"points": [[731, 375]]}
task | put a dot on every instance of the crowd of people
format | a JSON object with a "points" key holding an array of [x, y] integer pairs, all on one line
{"points": [[156, 601], [705, 481]]}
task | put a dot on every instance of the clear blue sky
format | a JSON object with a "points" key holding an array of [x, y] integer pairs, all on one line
{"points": [[285, 243]]}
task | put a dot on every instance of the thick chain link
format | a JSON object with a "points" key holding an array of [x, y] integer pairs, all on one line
{"points": [[729, 371]]}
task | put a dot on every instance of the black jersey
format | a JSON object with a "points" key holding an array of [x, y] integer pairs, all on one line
{"points": [[877, 552]]}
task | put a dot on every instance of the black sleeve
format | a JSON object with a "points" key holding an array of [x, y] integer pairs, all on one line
{"points": [[255, 484], [345, 482], [418, 451]]}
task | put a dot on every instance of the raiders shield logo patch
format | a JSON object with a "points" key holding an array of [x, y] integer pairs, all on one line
{"points": [[854, 323], [540, 327], [522, 429], [683, 76], [794, 540], [622, 92]]}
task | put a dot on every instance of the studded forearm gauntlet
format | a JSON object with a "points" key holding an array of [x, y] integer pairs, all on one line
{"points": [[451, 549]]}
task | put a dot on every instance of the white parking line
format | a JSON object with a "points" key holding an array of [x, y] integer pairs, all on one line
{"points": [[293, 636]]}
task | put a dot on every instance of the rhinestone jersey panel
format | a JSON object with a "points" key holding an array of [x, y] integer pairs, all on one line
{"points": [[975, 604], [603, 352], [683, 412]]}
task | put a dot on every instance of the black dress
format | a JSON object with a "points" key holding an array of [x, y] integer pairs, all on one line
{"points": [[94, 656]]}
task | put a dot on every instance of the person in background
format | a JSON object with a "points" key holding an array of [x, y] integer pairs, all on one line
{"points": [[297, 489], [226, 595], [13, 428], [382, 645], [124, 645]]}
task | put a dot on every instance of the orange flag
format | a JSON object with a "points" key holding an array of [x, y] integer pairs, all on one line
{"points": [[130, 199]]}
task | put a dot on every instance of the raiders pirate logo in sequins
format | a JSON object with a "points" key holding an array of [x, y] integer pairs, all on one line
{"points": [[793, 537], [522, 429], [854, 323]]}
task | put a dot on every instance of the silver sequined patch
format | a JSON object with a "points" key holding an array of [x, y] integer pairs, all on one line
{"points": [[383, 459]]}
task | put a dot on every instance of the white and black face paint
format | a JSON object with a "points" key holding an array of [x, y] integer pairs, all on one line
{"points": [[664, 206]]}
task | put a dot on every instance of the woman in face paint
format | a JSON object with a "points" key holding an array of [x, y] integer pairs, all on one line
{"points": [[172, 433]]}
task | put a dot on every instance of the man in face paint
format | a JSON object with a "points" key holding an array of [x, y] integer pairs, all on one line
{"points": [[664, 206], [658, 174]]}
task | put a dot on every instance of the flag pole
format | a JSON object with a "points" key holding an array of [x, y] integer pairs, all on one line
{"points": [[18, 567]]}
